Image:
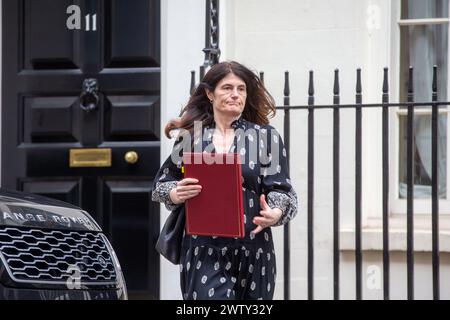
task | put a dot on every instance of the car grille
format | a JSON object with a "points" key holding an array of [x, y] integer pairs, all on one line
{"points": [[54, 256]]}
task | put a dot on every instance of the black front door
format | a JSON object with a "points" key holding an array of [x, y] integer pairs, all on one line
{"points": [[95, 145]]}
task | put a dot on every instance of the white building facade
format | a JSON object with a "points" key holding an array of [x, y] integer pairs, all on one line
{"points": [[298, 36]]}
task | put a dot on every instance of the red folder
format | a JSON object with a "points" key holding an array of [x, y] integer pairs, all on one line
{"points": [[219, 209]]}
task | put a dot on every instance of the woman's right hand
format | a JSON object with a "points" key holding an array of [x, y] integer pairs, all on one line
{"points": [[185, 189]]}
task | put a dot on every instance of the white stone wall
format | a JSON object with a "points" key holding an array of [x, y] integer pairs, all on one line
{"points": [[323, 35], [299, 36]]}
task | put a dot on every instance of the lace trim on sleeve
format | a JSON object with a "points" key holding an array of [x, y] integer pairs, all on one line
{"points": [[287, 202], [161, 193]]}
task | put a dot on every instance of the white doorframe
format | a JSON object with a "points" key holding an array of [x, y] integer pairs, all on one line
{"points": [[182, 41]]}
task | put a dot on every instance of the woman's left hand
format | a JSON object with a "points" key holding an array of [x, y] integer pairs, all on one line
{"points": [[268, 218]]}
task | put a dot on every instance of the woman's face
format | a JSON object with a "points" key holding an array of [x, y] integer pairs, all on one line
{"points": [[229, 95]]}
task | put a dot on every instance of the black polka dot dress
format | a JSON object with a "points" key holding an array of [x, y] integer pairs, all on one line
{"points": [[235, 268]]}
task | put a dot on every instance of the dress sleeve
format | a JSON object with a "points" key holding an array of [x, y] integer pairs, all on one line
{"points": [[275, 179], [167, 177]]}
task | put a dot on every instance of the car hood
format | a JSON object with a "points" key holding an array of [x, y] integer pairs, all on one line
{"points": [[29, 210]]}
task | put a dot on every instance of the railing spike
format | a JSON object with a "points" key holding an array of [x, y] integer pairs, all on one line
{"points": [[358, 80], [311, 83], [286, 83], [192, 88], [434, 85], [385, 80], [336, 82], [410, 80]]}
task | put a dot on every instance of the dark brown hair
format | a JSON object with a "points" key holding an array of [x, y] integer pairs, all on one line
{"points": [[259, 104]]}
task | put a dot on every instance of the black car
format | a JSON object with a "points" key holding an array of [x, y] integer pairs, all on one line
{"points": [[50, 249]]}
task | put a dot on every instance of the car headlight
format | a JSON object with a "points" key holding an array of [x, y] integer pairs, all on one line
{"points": [[118, 268]]}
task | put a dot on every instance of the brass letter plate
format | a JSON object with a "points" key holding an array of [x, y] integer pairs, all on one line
{"points": [[90, 157]]}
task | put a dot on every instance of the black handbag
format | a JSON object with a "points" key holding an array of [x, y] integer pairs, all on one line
{"points": [[171, 236]]}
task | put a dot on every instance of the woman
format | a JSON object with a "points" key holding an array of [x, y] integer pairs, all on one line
{"points": [[232, 106]]}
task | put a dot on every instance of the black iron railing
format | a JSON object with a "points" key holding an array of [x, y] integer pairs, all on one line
{"points": [[384, 105], [212, 53], [358, 106]]}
